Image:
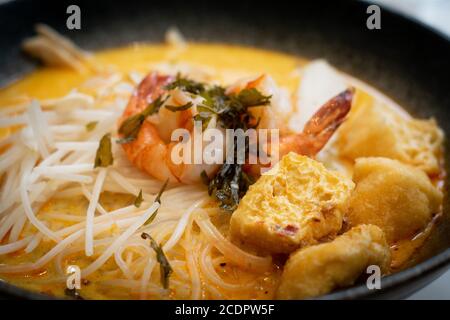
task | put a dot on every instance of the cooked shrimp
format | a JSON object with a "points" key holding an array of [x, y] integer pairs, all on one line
{"points": [[319, 129], [316, 133], [151, 150]]}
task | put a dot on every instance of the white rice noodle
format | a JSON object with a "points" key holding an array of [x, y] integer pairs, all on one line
{"points": [[124, 266], [146, 277], [10, 184], [119, 241], [234, 254], [14, 109], [62, 169], [68, 177], [65, 217], [17, 228], [28, 163], [67, 129], [90, 198], [77, 146], [8, 222], [14, 246], [39, 125], [69, 193], [6, 122], [213, 277], [36, 192], [181, 226], [123, 182], [91, 115], [89, 247], [111, 218], [191, 260], [34, 243], [73, 100], [10, 157], [27, 267]]}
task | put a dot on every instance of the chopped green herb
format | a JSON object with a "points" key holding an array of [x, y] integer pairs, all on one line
{"points": [[125, 140], [131, 126], [186, 85], [91, 125], [104, 157], [180, 108], [230, 183], [157, 199], [252, 97], [138, 200], [164, 265]]}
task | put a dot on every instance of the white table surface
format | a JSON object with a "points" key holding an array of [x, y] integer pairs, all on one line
{"points": [[435, 13]]}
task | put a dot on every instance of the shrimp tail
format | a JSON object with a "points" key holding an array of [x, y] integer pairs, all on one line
{"points": [[329, 117], [322, 125]]}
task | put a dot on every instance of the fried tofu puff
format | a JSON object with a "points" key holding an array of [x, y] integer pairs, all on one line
{"points": [[319, 269], [398, 198], [377, 131], [296, 203]]}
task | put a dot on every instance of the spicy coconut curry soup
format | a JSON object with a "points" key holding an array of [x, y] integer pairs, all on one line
{"points": [[89, 188]]}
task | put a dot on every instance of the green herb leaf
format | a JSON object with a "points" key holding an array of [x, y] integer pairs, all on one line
{"points": [[252, 97], [138, 201], [91, 125], [230, 183], [186, 85], [163, 188], [180, 108], [130, 127], [157, 199], [164, 265], [104, 157], [154, 107], [125, 140]]}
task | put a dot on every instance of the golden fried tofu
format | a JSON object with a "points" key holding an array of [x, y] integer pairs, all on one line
{"points": [[296, 203], [319, 269], [376, 131], [398, 198]]}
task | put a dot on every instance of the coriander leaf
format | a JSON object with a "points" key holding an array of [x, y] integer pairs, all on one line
{"points": [[157, 199], [138, 201], [185, 84], [104, 157], [154, 106], [130, 127], [180, 108], [164, 265], [91, 125], [125, 140], [252, 97]]}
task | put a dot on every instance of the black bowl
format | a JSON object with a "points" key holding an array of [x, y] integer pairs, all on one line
{"points": [[404, 59]]}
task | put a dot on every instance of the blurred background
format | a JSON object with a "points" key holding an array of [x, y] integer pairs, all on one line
{"points": [[435, 13]]}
